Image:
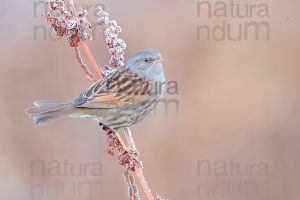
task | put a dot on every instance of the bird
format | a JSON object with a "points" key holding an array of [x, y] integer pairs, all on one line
{"points": [[121, 99]]}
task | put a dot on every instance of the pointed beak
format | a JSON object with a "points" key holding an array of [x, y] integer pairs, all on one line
{"points": [[160, 60]]}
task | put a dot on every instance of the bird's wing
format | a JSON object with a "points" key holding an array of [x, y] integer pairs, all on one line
{"points": [[122, 88]]}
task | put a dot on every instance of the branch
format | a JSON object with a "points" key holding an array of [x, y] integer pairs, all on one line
{"points": [[132, 188], [83, 66], [92, 60], [116, 48], [139, 171], [85, 46], [73, 27], [72, 8]]}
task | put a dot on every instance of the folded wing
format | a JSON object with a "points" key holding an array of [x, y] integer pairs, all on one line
{"points": [[122, 88]]}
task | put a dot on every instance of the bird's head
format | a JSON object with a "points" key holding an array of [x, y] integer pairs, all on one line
{"points": [[147, 64]]}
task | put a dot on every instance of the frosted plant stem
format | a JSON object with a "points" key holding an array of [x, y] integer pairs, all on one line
{"points": [[85, 46], [92, 60], [132, 188], [72, 8], [83, 66], [139, 171]]}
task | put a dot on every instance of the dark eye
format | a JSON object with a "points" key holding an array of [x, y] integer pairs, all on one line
{"points": [[147, 60]]}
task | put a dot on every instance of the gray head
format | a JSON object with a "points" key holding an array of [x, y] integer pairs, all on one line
{"points": [[147, 64]]}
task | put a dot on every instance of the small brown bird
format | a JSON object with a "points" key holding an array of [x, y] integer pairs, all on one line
{"points": [[121, 99]]}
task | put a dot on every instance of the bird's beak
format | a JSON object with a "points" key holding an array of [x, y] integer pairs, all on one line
{"points": [[160, 60]]}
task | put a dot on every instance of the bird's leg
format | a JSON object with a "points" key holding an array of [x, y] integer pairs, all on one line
{"points": [[120, 140], [127, 149]]}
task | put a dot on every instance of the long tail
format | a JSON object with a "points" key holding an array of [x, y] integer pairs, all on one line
{"points": [[46, 111]]}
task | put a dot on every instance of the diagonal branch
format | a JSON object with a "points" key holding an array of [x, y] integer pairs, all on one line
{"points": [[92, 60], [139, 171]]}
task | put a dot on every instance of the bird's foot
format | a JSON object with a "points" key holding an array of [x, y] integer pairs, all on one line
{"points": [[131, 150], [130, 158]]}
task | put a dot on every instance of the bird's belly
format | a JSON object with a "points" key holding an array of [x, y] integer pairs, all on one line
{"points": [[126, 116]]}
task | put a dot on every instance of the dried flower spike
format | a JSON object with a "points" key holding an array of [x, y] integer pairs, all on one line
{"points": [[73, 29], [116, 46], [130, 159]]}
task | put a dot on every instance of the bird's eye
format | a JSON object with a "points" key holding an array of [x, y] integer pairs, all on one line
{"points": [[147, 60]]}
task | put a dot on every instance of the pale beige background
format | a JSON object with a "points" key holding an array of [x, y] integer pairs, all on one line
{"points": [[238, 101]]}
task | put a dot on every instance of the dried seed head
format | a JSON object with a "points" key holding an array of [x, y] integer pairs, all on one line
{"points": [[121, 43], [115, 45], [73, 28]]}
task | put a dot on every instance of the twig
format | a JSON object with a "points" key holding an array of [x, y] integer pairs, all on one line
{"points": [[85, 46], [72, 8], [83, 66], [139, 171], [92, 60], [116, 48], [132, 188], [74, 28]]}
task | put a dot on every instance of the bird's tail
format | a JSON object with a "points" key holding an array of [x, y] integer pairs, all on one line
{"points": [[46, 111]]}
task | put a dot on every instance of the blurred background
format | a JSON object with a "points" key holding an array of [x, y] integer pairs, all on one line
{"points": [[237, 130]]}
